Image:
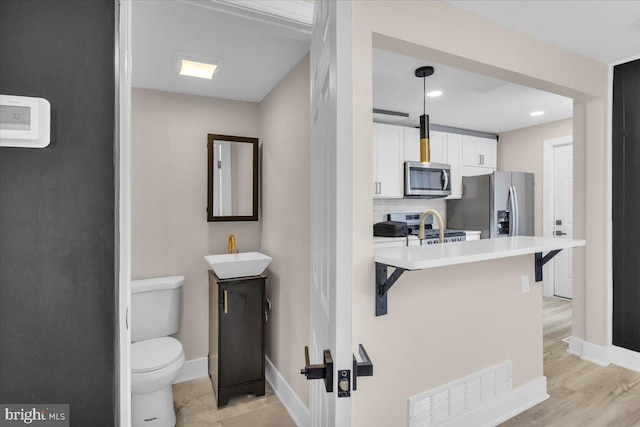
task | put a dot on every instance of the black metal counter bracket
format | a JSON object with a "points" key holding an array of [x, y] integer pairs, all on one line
{"points": [[542, 260], [383, 284]]}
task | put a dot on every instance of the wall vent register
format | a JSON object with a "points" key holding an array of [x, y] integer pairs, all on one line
{"points": [[24, 122]]}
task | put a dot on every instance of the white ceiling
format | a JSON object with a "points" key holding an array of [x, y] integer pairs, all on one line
{"points": [[608, 31], [254, 55], [469, 101]]}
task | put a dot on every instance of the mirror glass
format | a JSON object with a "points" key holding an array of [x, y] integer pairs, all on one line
{"points": [[233, 178]]}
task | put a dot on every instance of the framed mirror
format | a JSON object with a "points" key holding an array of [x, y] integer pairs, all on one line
{"points": [[232, 182]]}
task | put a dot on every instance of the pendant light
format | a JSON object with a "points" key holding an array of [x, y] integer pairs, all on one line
{"points": [[424, 72]]}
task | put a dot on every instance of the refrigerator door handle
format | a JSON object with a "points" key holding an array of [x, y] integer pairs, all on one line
{"points": [[516, 211], [512, 213], [446, 179]]}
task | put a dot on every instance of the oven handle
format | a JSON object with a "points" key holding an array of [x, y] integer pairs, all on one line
{"points": [[446, 180]]}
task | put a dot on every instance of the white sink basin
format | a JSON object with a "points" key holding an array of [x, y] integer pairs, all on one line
{"points": [[244, 264]]}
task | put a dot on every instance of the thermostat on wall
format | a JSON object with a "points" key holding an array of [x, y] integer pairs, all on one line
{"points": [[24, 121]]}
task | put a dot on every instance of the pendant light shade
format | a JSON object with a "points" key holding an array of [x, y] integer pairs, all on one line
{"points": [[424, 72]]}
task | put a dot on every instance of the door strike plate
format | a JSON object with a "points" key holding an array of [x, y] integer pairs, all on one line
{"points": [[344, 383]]}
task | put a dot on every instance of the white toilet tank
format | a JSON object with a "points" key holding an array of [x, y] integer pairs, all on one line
{"points": [[155, 307]]}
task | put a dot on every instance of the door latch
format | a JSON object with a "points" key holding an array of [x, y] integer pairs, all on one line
{"points": [[560, 233], [319, 372]]}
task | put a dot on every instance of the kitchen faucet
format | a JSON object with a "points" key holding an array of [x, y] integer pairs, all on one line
{"points": [[232, 244], [437, 216]]}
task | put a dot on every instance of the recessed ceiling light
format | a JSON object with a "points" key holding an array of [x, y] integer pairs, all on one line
{"points": [[536, 113], [434, 93], [196, 65], [197, 69]]}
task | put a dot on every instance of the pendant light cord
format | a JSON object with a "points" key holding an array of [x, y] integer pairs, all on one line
{"points": [[424, 96]]}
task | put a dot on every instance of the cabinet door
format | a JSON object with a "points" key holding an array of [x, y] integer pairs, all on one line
{"points": [[438, 147], [470, 154], [241, 331], [375, 160], [390, 153], [487, 148], [411, 144], [454, 143]]}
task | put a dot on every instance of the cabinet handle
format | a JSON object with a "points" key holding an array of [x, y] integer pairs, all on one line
{"points": [[225, 302], [379, 187]]}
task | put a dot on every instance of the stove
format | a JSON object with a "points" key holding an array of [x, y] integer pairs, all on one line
{"points": [[431, 234]]}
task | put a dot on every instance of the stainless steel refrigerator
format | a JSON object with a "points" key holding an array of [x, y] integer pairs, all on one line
{"points": [[499, 205]]}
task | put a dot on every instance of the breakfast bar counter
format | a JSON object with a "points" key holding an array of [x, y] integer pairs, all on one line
{"points": [[431, 256]]}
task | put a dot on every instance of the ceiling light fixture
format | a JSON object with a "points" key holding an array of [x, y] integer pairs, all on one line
{"points": [[536, 113], [424, 72], [434, 93], [194, 65]]}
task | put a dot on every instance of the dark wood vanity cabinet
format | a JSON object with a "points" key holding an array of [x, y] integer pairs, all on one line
{"points": [[236, 336]]}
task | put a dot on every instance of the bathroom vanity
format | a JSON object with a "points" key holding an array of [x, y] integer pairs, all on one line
{"points": [[236, 336]]}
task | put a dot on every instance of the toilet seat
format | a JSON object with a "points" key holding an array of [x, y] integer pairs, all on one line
{"points": [[154, 354]]}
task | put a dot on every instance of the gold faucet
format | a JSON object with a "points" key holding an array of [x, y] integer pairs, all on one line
{"points": [[424, 216], [232, 244]]}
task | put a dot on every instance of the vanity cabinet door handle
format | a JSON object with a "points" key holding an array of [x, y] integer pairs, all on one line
{"points": [[226, 308]]}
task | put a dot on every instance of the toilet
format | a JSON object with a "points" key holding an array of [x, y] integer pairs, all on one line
{"points": [[156, 358]]}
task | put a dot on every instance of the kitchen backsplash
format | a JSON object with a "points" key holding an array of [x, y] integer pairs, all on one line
{"points": [[382, 207]]}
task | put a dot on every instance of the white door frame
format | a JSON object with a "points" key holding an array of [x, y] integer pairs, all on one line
{"points": [[122, 159], [548, 204], [294, 18]]}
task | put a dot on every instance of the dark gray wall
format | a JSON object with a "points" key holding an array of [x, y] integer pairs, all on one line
{"points": [[57, 218], [626, 205]]}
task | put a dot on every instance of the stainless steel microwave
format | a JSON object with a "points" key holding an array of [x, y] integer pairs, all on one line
{"points": [[427, 180]]}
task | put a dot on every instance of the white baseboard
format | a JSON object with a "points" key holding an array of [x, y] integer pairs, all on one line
{"points": [[505, 407], [596, 354], [625, 358], [290, 400], [575, 346], [193, 370], [600, 355]]}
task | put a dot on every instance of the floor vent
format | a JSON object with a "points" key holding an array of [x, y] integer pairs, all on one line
{"points": [[436, 407]]}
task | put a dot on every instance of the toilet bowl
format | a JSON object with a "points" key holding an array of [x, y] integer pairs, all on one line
{"points": [[155, 363], [156, 358]]}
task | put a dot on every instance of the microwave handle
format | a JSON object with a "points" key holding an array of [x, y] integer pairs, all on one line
{"points": [[446, 179]]}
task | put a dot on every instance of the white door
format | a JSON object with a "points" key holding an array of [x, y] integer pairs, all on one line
{"points": [[562, 216], [331, 203]]}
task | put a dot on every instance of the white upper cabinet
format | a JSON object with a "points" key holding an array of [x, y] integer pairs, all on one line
{"points": [[388, 161], [411, 144], [437, 143], [394, 145], [479, 152], [454, 147], [438, 147]]}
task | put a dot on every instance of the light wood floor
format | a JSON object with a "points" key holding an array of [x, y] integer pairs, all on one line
{"points": [[582, 394], [196, 406]]}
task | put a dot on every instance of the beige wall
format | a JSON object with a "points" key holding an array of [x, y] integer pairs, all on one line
{"points": [[285, 130], [441, 33], [522, 150], [169, 232]]}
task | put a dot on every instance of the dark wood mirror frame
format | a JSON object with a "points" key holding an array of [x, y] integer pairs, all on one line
{"points": [[216, 137]]}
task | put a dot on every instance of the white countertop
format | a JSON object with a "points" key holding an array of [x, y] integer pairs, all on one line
{"points": [[388, 239], [430, 256]]}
